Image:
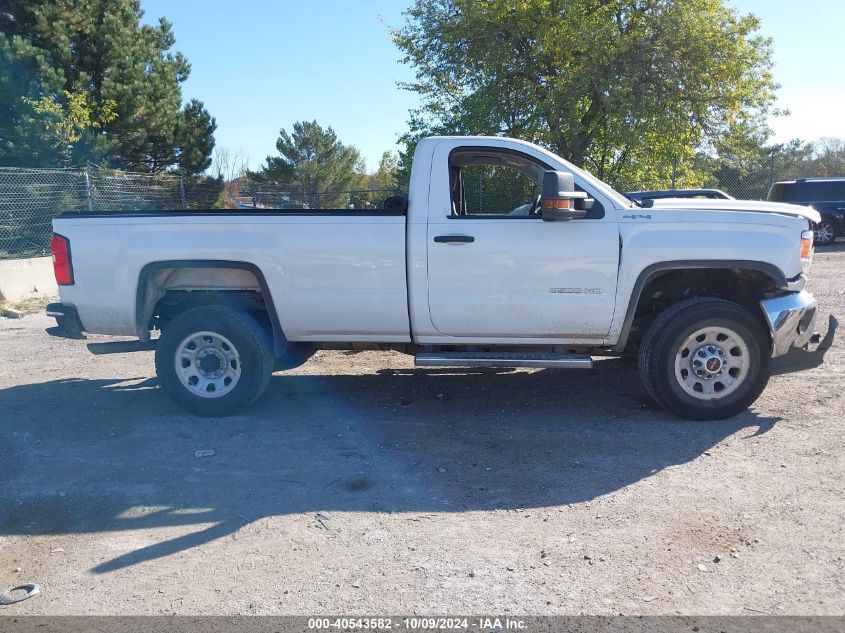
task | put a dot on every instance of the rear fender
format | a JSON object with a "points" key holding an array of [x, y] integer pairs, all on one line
{"points": [[147, 294]]}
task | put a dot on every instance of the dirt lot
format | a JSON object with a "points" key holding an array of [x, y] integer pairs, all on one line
{"points": [[360, 484]]}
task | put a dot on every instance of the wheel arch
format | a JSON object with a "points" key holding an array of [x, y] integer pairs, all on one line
{"points": [[148, 292], [651, 274]]}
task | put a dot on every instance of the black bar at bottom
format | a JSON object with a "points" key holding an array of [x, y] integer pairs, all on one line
{"points": [[379, 624]]}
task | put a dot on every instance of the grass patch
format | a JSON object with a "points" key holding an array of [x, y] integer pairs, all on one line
{"points": [[33, 304], [27, 306]]}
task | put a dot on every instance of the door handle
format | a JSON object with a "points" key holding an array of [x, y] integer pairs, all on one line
{"points": [[454, 239]]}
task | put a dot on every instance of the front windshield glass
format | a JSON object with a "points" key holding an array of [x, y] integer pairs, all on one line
{"points": [[617, 198]]}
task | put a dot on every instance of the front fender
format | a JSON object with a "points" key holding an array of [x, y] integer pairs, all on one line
{"points": [[650, 272]]}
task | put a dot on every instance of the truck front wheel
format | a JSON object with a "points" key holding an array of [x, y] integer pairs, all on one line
{"points": [[705, 359], [214, 360]]}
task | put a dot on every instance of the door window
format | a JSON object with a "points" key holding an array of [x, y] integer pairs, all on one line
{"points": [[490, 183], [495, 183]]}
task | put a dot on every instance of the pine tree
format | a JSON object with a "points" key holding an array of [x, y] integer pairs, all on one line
{"points": [[100, 48], [313, 160]]}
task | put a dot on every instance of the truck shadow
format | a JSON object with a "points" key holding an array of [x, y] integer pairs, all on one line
{"points": [[102, 455]]}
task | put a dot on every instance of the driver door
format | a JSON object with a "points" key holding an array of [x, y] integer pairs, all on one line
{"points": [[496, 270]]}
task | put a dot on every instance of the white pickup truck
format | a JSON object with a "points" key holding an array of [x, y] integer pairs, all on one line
{"points": [[709, 293]]}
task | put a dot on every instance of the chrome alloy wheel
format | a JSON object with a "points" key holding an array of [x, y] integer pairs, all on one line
{"points": [[712, 363], [207, 364], [824, 232]]}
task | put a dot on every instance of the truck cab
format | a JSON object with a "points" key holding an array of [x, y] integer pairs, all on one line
{"points": [[503, 273]]}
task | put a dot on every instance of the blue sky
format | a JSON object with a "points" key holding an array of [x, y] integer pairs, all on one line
{"points": [[260, 65]]}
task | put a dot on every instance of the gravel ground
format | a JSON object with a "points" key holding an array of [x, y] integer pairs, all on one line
{"points": [[362, 485]]}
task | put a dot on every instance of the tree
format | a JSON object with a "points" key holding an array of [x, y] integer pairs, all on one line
{"points": [[231, 169], [617, 86], [98, 48], [829, 157], [194, 138], [312, 160], [65, 122], [386, 176], [229, 165]]}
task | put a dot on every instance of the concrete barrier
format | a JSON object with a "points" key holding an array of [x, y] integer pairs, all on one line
{"points": [[22, 279]]}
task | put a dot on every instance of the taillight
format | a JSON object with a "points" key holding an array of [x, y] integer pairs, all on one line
{"points": [[806, 245], [62, 266]]}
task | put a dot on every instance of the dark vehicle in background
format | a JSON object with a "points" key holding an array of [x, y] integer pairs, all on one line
{"points": [[643, 196], [825, 195]]}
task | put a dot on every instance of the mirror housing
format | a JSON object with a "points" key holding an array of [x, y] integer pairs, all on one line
{"points": [[560, 201]]}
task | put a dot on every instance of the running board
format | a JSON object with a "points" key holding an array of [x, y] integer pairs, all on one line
{"points": [[503, 359]]}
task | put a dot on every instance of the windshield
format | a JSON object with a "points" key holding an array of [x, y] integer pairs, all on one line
{"points": [[617, 198]]}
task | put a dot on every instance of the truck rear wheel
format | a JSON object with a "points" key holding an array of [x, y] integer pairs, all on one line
{"points": [[705, 359], [214, 360]]}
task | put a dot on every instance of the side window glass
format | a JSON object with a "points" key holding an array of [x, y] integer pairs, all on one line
{"points": [[496, 183], [499, 190]]}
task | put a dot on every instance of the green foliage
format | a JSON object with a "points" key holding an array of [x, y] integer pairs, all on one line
{"points": [[621, 87], [64, 123], [747, 169], [493, 189], [195, 138], [387, 175], [203, 192], [828, 157], [312, 160], [99, 49], [28, 202]]}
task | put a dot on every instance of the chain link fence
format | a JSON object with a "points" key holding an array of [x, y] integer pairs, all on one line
{"points": [[31, 198], [28, 201], [755, 185], [361, 199], [750, 180]]}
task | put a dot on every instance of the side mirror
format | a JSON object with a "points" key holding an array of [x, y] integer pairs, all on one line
{"points": [[560, 201]]}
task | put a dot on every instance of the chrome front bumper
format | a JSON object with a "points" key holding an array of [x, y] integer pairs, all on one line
{"points": [[792, 319]]}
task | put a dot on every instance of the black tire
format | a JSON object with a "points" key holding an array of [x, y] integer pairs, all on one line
{"points": [[662, 344], [825, 232], [253, 350]]}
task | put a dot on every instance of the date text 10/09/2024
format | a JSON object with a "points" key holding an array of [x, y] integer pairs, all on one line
{"points": [[417, 624]]}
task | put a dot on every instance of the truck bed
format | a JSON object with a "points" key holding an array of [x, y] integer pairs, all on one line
{"points": [[295, 251]]}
